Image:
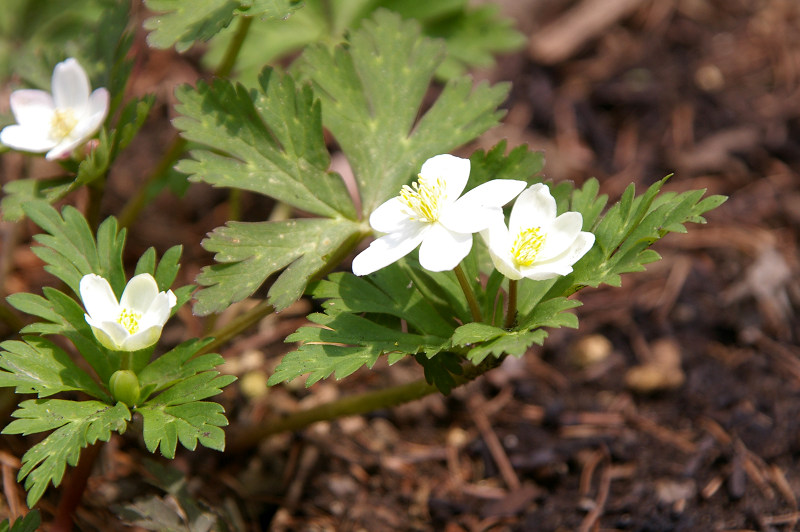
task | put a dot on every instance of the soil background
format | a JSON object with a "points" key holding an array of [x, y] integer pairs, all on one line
{"points": [[676, 406]]}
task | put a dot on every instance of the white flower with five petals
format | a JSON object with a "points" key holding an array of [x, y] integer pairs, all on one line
{"points": [[57, 123], [537, 244], [430, 214], [133, 323]]}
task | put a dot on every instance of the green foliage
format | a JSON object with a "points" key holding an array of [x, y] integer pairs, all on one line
{"points": [[183, 23], [29, 523], [363, 315], [77, 424], [172, 387], [472, 34], [368, 94]]}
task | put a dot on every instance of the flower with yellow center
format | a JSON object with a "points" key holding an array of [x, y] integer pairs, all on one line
{"points": [[537, 244], [57, 123], [430, 214], [132, 323]]}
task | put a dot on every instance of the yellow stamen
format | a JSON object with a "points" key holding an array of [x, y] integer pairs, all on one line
{"points": [[527, 246], [425, 198], [129, 320], [62, 123]]}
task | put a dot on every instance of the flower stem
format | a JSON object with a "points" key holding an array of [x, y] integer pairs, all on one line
{"points": [[237, 325], [353, 405], [468, 293], [96, 189], [132, 209], [126, 360], [511, 311]]}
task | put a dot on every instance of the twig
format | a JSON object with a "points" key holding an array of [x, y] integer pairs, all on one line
{"points": [[600, 503], [476, 407]]}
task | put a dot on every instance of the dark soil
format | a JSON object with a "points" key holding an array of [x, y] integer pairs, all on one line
{"points": [[676, 406]]}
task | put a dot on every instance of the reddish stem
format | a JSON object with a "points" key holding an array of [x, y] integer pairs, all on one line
{"points": [[74, 487]]}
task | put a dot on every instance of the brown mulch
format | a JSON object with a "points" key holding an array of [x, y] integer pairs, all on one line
{"points": [[676, 406]]}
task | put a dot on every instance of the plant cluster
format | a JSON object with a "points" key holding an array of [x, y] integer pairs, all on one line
{"points": [[500, 251]]}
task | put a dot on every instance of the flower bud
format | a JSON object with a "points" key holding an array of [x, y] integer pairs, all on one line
{"points": [[124, 386]]}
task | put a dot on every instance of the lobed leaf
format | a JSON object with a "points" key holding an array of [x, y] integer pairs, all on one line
{"points": [[77, 423]]}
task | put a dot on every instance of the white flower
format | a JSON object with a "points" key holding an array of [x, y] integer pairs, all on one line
{"points": [[431, 213], [537, 244], [57, 123], [133, 323]]}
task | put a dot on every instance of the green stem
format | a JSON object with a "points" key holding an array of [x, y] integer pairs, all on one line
{"points": [[469, 294], [132, 209], [237, 325], [96, 189], [511, 312], [126, 360], [353, 405]]}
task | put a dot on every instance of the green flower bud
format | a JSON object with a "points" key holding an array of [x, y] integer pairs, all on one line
{"points": [[124, 386]]}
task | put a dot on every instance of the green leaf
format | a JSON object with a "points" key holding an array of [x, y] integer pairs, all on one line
{"points": [[273, 140], [440, 369], [28, 523], [182, 23], [77, 423], [22, 191], [343, 344], [251, 252], [371, 93], [38, 366], [176, 365], [520, 163], [189, 423]]}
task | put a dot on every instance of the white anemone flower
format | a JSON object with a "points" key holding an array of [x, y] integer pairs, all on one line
{"points": [[537, 244], [133, 323], [431, 213], [57, 123]]}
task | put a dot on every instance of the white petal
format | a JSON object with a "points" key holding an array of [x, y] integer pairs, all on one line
{"points": [[26, 138], [562, 264], [442, 249], [560, 235], [70, 86], [139, 293], [495, 193], [143, 338], [63, 149], [98, 298], [453, 170], [469, 219], [535, 207], [159, 310], [110, 334], [386, 250], [32, 108], [390, 217], [498, 241]]}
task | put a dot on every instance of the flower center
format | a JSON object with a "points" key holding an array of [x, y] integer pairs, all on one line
{"points": [[425, 198], [527, 246], [62, 123], [129, 320]]}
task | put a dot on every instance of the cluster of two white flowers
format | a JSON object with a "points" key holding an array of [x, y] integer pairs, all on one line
{"points": [[537, 244]]}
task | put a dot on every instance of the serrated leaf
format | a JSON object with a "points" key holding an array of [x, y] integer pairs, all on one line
{"points": [[28, 523], [163, 426], [513, 343], [182, 23], [77, 423], [251, 252], [439, 370], [520, 163], [177, 365], [38, 366], [20, 192], [273, 140], [371, 93], [344, 343]]}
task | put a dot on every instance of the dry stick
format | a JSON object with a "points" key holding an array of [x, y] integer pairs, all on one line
{"points": [[349, 406], [493, 443], [600, 504], [75, 486]]}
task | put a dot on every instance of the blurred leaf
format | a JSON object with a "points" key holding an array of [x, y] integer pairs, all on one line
{"points": [[28, 523]]}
